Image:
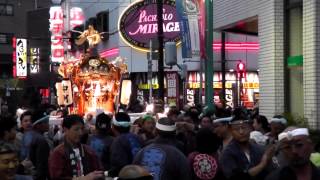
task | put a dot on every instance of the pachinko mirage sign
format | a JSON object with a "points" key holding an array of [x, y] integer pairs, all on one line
{"points": [[138, 23]]}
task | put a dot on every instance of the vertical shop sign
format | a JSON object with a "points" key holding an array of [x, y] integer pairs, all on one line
{"points": [[21, 58], [14, 57], [172, 89], [229, 98], [140, 97], [34, 60], [190, 97], [56, 29], [76, 17]]}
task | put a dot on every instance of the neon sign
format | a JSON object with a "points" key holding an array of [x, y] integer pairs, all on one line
{"points": [[34, 60], [56, 28], [21, 55], [138, 23]]}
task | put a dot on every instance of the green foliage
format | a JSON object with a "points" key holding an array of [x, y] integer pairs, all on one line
{"points": [[294, 120]]}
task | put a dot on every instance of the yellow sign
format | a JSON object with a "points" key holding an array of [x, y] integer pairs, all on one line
{"points": [[147, 86], [218, 85]]}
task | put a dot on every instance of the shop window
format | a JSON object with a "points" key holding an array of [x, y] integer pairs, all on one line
{"points": [[6, 10]]}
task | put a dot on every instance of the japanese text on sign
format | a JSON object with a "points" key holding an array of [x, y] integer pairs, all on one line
{"points": [[21, 55], [56, 28]]}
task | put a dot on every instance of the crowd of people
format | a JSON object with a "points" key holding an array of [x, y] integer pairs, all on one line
{"points": [[178, 145]]}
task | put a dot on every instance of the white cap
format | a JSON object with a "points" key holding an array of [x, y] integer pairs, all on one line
{"points": [[279, 120], [299, 132], [283, 135], [163, 127], [221, 120]]}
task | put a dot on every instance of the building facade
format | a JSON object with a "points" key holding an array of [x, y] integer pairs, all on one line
{"points": [[289, 49], [189, 92]]}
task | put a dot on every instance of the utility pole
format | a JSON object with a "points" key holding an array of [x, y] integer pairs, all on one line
{"points": [[223, 67], [160, 50], [209, 56]]}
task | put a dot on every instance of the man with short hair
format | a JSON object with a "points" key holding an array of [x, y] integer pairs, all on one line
{"points": [[73, 160], [125, 146], [297, 151], [162, 158], [277, 124], [242, 159], [102, 140], [222, 130], [9, 163], [39, 147]]}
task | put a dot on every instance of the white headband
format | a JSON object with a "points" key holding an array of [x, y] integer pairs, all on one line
{"points": [[298, 132], [122, 123], [225, 119], [43, 119], [283, 135], [166, 127], [279, 120]]}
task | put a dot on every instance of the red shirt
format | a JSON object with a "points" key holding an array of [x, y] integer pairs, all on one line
{"points": [[60, 165]]}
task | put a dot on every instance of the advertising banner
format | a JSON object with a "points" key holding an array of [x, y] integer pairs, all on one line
{"points": [[184, 30], [173, 90], [34, 60], [21, 55], [188, 13], [56, 29]]}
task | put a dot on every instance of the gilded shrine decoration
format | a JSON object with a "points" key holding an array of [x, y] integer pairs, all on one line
{"points": [[95, 80]]}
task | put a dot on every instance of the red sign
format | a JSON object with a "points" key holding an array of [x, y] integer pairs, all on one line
{"points": [[56, 28]]}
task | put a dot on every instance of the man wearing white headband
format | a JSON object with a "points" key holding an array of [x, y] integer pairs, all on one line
{"points": [[125, 146], [221, 129], [161, 158], [298, 155], [277, 124], [242, 159]]}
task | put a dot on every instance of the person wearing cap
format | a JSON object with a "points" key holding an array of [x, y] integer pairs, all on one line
{"points": [[134, 172], [39, 147], [125, 145], [297, 151], [9, 162], [221, 129], [147, 131], [161, 158], [71, 159], [242, 159], [102, 140], [277, 124]]}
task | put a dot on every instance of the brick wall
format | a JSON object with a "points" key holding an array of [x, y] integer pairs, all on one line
{"points": [[311, 52]]}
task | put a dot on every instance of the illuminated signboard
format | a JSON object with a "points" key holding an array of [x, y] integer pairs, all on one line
{"points": [[21, 57], [138, 23], [56, 29], [76, 17], [34, 60]]}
